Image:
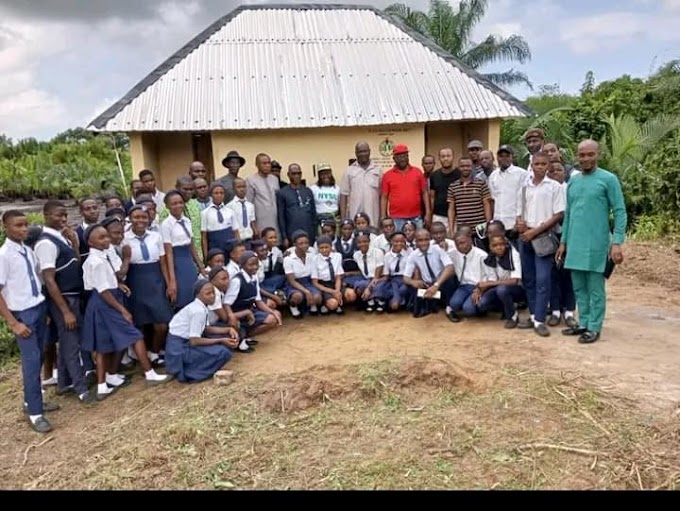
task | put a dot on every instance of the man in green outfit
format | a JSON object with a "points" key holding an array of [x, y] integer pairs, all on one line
{"points": [[587, 240]]}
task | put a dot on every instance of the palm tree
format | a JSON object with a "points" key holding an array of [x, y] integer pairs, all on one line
{"points": [[452, 31]]}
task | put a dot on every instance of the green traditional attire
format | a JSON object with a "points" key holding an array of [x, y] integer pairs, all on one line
{"points": [[586, 233], [192, 210]]}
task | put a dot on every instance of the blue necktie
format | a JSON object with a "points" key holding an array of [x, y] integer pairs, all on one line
{"points": [[429, 268], [31, 275], [108, 260], [331, 269], [366, 265], [244, 212], [142, 246], [220, 216], [396, 270], [186, 231]]}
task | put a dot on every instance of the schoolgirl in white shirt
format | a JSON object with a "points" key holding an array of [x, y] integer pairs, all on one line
{"points": [[392, 288], [369, 260], [327, 275], [217, 222], [300, 292]]}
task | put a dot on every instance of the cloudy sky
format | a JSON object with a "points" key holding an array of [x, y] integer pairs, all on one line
{"points": [[62, 62]]}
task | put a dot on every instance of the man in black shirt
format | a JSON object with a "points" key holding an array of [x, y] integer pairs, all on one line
{"points": [[440, 180], [296, 208]]}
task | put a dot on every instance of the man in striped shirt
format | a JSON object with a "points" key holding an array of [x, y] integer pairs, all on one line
{"points": [[469, 200]]}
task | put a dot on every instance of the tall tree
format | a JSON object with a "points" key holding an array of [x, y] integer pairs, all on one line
{"points": [[452, 30]]}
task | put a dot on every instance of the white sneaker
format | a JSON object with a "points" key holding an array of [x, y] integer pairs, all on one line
{"points": [[50, 381], [324, 309], [294, 311]]}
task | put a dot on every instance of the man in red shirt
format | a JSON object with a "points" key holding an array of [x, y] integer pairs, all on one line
{"points": [[404, 192]]}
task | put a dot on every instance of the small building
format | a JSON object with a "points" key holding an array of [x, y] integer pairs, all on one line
{"points": [[304, 83]]}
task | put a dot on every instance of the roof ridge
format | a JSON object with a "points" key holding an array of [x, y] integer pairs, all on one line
{"points": [[100, 121]]}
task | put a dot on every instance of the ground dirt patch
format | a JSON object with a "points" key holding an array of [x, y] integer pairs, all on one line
{"points": [[388, 402]]}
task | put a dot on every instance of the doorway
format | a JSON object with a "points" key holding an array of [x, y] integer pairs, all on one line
{"points": [[201, 145]]}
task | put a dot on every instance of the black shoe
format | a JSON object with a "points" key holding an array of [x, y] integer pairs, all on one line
{"points": [[128, 368], [91, 378], [542, 330], [522, 306], [65, 391], [88, 398], [553, 320], [525, 324], [421, 313], [159, 363], [41, 425], [510, 323], [571, 322], [589, 337], [251, 342], [453, 317], [578, 330]]}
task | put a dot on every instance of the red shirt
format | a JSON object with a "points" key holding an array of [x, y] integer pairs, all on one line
{"points": [[404, 189]]}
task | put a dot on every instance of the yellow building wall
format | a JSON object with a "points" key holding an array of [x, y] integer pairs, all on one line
{"points": [[440, 135], [494, 137], [175, 154], [143, 151], [310, 146]]}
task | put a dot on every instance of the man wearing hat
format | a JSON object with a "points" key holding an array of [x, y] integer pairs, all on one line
{"points": [[233, 163], [504, 184], [534, 139], [404, 192], [276, 172], [475, 147]]}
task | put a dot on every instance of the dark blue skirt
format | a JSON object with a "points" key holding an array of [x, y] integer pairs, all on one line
{"points": [[221, 239], [148, 303], [273, 283], [306, 282], [193, 363], [104, 328], [185, 275]]}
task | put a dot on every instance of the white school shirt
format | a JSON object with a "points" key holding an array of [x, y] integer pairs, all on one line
{"points": [[382, 243], [232, 268], [210, 222], [216, 305], [542, 201], [244, 231], [469, 267], [321, 270], [276, 257], [154, 243], [438, 261], [498, 273], [503, 186], [47, 252], [261, 270], [172, 232], [98, 273], [293, 264], [315, 247], [190, 322], [390, 263], [326, 199], [450, 246], [235, 286], [14, 280], [375, 258]]}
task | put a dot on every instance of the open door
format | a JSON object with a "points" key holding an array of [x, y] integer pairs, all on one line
{"points": [[202, 149]]}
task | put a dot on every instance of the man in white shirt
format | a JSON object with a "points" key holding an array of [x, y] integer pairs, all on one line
{"points": [[504, 184], [468, 262], [360, 186], [541, 205]]}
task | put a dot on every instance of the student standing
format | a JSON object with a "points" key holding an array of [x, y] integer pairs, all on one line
{"points": [[202, 194], [504, 185], [23, 307], [149, 280], [217, 222], [184, 264], [149, 186], [587, 240], [89, 211], [108, 326], [244, 213], [192, 210], [541, 207], [57, 251], [190, 355]]}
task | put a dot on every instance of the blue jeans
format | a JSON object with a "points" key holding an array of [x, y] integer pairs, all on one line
{"points": [[462, 300], [537, 278], [71, 371], [399, 223], [31, 349], [502, 298]]}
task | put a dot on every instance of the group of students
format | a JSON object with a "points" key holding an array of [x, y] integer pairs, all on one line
{"points": [[128, 289]]}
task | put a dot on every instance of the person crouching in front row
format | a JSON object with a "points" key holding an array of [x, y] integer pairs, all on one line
{"points": [[434, 268], [468, 262]]}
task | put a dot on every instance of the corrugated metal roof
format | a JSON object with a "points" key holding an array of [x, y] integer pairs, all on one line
{"points": [[265, 67]]}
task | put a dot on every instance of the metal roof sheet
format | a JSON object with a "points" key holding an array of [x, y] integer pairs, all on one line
{"points": [[302, 66]]}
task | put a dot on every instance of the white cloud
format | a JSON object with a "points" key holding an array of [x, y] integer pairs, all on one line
{"points": [[671, 5], [610, 31]]}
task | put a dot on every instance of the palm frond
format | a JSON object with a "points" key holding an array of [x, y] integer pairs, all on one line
{"points": [[496, 49], [509, 78], [470, 13], [412, 18]]}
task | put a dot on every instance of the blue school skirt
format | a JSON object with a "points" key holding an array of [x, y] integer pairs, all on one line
{"points": [[273, 283], [357, 282], [394, 290], [221, 239], [148, 303], [185, 275], [306, 282], [104, 328], [193, 363]]}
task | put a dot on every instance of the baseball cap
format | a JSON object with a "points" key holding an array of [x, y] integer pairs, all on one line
{"points": [[399, 149], [505, 149], [475, 144]]}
